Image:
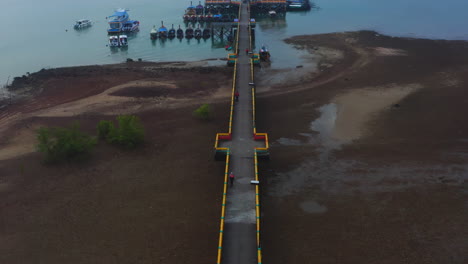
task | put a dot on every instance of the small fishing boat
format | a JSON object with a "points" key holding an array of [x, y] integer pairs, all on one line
{"points": [[272, 13], [162, 31], [190, 13], [189, 32], [171, 34], [209, 17], [117, 20], [264, 53], [114, 41], [123, 40], [198, 32], [82, 23], [180, 33], [217, 17], [199, 9], [154, 33], [131, 26], [206, 33]]}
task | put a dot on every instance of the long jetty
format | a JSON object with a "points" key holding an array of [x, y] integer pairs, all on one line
{"points": [[241, 148]]}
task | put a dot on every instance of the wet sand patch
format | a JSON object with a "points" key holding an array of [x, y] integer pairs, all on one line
{"points": [[346, 118], [358, 107]]}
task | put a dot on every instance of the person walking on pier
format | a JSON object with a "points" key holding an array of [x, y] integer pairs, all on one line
{"points": [[231, 179], [246, 51], [236, 96]]}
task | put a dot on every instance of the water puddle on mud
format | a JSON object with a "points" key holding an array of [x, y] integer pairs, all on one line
{"points": [[325, 126]]}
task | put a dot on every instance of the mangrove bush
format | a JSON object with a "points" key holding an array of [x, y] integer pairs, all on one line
{"points": [[64, 143], [129, 133], [203, 112]]}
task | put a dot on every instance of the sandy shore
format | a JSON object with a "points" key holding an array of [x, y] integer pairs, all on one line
{"points": [[368, 159]]}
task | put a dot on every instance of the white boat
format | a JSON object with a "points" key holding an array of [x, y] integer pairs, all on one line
{"points": [[82, 23], [114, 41], [154, 33], [123, 40], [272, 13]]}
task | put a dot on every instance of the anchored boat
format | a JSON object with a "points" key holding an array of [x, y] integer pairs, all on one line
{"points": [[189, 32], [131, 25], [199, 12], [82, 23], [198, 32], [190, 13], [114, 41], [217, 18], [117, 20], [118, 41], [206, 33], [171, 34], [209, 17], [180, 33], [154, 33], [199, 8], [162, 31], [123, 40]]}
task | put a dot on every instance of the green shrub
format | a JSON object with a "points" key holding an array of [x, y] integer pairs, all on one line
{"points": [[203, 112], [130, 132], [60, 144], [104, 127]]}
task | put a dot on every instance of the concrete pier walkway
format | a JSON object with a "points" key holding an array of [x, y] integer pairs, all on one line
{"points": [[240, 230]]}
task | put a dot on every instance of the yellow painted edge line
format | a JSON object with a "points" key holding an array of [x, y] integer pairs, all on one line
{"points": [[221, 228]]}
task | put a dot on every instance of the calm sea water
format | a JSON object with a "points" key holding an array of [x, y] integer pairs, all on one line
{"points": [[39, 34]]}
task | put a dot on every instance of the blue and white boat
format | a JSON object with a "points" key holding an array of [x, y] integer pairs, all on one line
{"points": [[162, 31], [117, 20], [120, 22]]}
